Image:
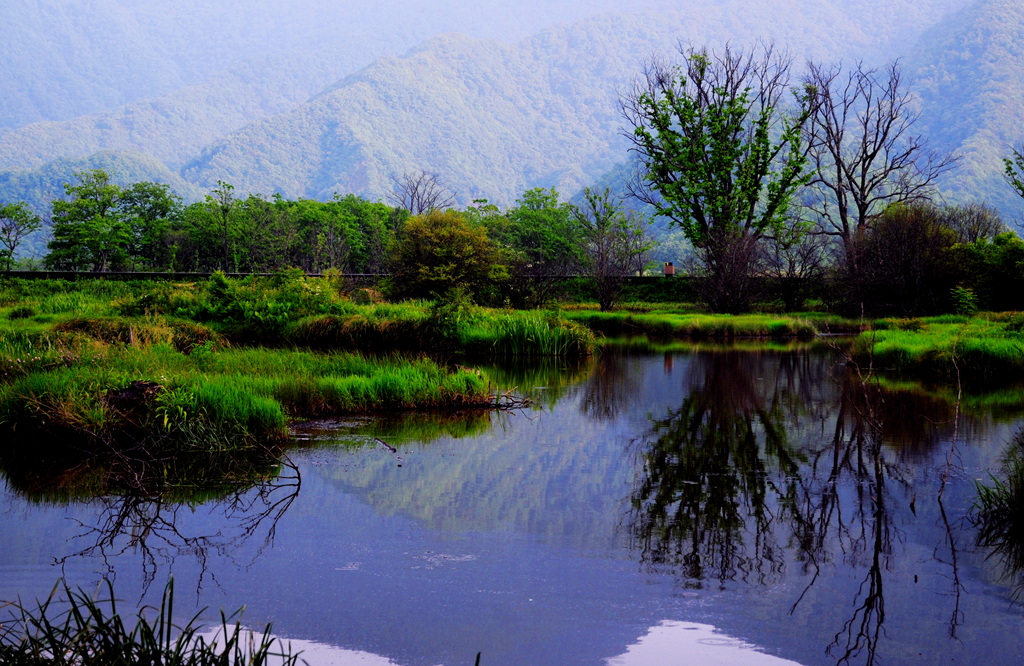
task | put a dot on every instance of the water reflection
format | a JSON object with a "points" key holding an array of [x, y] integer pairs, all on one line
{"points": [[701, 643], [763, 463], [748, 472], [150, 511]]}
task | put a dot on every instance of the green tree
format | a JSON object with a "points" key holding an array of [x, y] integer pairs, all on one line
{"points": [[16, 222], [616, 243], [90, 231], [719, 157], [1015, 170], [544, 242], [439, 251], [222, 204], [151, 211]]}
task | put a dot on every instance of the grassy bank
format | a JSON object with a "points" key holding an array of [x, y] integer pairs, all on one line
{"points": [[670, 324], [217, 396], [280, 311], [988, 347]]}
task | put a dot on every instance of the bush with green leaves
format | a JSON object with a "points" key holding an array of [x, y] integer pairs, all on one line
{"points": [[439, 251]]}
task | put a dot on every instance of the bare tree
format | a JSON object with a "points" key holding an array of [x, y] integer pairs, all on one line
{"points": [[973, 222], [863, 150], [617, 244], [794, 263], [421, 192]]}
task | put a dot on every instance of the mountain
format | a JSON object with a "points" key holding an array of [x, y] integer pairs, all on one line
{"points": [[496, 118], [969, 73], [175, 127], [61, 59]]}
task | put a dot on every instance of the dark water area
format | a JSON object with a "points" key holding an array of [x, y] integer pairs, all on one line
{"points": [[755, 505]]}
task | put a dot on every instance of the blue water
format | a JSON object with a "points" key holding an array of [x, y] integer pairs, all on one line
{"points": [[537, 537]]}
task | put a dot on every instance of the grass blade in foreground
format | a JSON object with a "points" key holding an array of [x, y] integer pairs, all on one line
{"points": [[80, 630]]}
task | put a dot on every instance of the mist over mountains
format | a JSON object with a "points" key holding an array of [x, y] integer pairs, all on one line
{"points": [[316, 100]]}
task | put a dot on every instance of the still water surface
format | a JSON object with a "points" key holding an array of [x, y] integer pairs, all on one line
{"points": [[702, 506]]}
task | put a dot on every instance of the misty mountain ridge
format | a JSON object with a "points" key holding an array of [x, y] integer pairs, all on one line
{"points": [[495, 118]]}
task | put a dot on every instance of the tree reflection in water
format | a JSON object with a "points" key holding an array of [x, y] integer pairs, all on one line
{"points": [[763, 458], [150, 511]]}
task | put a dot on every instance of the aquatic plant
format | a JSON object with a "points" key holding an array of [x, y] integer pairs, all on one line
{"points": [[78, 629], [998, 513], [979, 348]]}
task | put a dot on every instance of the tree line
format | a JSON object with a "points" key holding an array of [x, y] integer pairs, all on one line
{"points": [[833, 183], [772, 183], [513, 256]]}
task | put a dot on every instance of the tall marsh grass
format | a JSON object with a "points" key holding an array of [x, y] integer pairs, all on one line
{"points": [[80, 630], [998, 513], [224, 398], [540, 334]]}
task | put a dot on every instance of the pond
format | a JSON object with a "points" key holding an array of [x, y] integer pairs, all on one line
{"points": [[757, 505]]}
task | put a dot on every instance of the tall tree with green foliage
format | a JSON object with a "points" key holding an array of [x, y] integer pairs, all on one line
{"points": [[543, 240], [16, 222], [151, 211], [719, 155], [90, 231]]}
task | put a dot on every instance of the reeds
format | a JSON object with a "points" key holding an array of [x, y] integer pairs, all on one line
{"points": [[540, 334], [79, 630], [998, 513], [215, 399]]}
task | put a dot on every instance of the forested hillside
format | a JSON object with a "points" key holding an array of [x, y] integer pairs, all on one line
{"points": [[969, 71], [177, 126], [60, 59], [496, 118], [39, 187]]}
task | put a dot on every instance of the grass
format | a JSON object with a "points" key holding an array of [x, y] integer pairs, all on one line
{"points": [[670, 324], [220, 397], [983, 348], [998, 512], [81, 630]]}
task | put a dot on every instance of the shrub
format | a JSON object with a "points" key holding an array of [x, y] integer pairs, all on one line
{"points": [[439, 251]]}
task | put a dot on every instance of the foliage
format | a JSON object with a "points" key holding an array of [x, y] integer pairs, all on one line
{"points": [[616, 244], [439, 251], [719, 156], [16, 222], [903, 265], [544, 242], [1015, 171], [88, 231], [994, 270], [79, 629], [102, 226]]}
